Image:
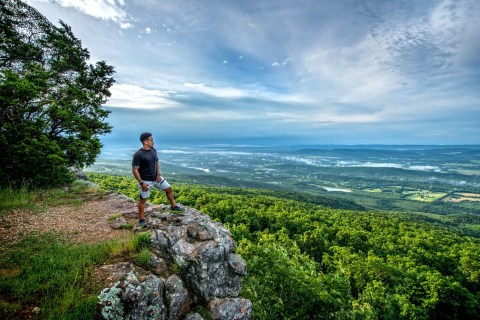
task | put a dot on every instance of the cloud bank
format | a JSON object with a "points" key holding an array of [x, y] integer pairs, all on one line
{"points": [[318, 72]]}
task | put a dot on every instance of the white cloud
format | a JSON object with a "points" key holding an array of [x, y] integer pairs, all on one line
{"points": [[102, 9], [457, 28], [308, 118], [409, 51], [281, 64], [257, 93], [216, 92], [126, 25], [216, 115], [446, 21], [148, 30], [352, 74], [135, 97]]}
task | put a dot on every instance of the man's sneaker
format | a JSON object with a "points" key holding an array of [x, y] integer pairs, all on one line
{"points": [[142, 223], [176, 208]]}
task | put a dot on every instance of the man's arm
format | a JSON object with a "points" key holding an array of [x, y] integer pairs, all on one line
{"points": [[157, 169], [136, 174], [144, 185]]}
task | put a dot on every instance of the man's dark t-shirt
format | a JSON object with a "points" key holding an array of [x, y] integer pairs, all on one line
{"points": [[146, 161]]}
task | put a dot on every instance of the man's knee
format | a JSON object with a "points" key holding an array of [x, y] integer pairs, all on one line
{"points": [[169, 190]]}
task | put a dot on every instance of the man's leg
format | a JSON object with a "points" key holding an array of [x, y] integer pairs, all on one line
{"points": [[169, 193], [173, 206], [141, 204], [141, 208]]}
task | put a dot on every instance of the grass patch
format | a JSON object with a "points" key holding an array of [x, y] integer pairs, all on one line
{"points": [[127, 226], [175, 267], [75, 194], [25, 198], [113, 217], [49, 272], [423, 195], [16, 198], [142, 240], [143, 258]]}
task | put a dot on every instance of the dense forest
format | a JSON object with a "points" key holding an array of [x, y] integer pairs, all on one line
{"points": [[311, 261]]}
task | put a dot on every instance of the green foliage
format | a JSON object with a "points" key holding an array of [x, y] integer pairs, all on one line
{"points": [[142, 241], [143, 258], [50, 268], [307, 261], [57, 276], [175, 267], [283, 283], [50, 99]]}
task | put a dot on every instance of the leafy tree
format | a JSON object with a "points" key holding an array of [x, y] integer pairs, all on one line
{"points": [[51, 99], [285, 284]]}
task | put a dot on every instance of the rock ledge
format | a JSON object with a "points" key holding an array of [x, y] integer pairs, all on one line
{"points": [[193, 267]]}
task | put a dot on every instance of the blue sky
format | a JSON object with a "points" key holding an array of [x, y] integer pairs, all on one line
{"points": [[285, 72]]}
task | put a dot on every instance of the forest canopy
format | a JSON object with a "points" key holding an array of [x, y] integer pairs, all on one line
{"points": [[308, 261], [51, 99]]}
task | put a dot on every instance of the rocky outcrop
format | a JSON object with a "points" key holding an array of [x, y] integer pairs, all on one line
{"points": [[78, 173], [193, 267]]}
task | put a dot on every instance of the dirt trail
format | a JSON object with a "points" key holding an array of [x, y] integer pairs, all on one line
{"points": [[85, 223]]}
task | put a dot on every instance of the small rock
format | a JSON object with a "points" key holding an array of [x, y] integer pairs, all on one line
{"points": [[36, 310], [193, 316], [230, 309], [158, 265], [178, 298], [237, 264], [133, 298], [118, 223], [161, 240]]}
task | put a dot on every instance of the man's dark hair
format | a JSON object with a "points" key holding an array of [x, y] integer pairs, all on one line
{"points": [[144, 136]]}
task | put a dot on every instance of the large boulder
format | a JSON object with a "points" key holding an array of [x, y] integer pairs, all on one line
{"points": [[193, 264], [78, 173], [203, 249]]}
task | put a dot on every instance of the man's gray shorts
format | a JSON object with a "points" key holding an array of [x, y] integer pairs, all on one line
{"points": [[161, 185]]}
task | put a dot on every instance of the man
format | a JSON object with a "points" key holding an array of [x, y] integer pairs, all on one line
{"points": [[146, 169]]}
